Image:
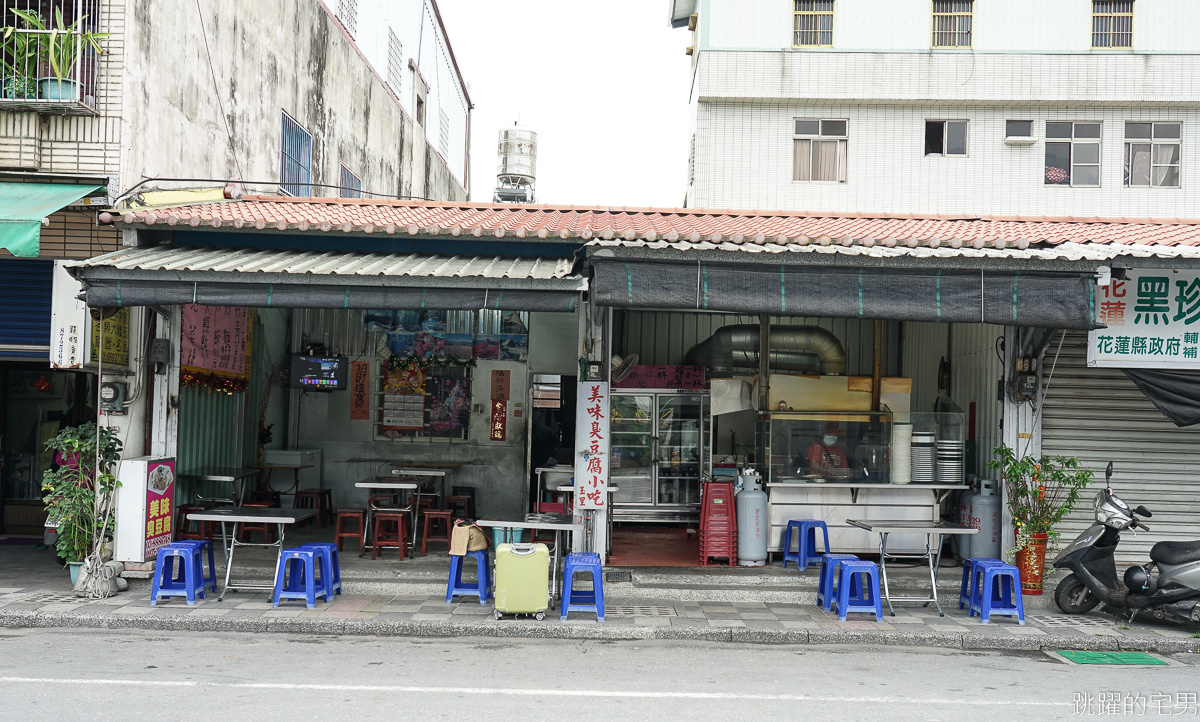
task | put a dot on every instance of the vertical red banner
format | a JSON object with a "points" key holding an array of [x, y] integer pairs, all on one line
{"points": [[360, 390], [499, 425]]}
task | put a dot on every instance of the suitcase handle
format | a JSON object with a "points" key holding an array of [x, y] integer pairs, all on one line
{"points": [[522, 550]]}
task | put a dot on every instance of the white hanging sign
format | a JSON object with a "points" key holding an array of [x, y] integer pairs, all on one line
{"points": [[591, 445], [1153, 320]]}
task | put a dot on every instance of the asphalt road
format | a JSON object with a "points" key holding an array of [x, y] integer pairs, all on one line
{"points": [[50, 674]]}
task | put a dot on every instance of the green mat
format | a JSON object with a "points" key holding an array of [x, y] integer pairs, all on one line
{"points": [[1126, 658]]}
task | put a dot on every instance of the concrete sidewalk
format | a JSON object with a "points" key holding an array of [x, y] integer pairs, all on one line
{"points": [[627, 618]]}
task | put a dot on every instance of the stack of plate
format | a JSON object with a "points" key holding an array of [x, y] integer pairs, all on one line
{"points": [[901, 453], [949, 461], [923, 457]]}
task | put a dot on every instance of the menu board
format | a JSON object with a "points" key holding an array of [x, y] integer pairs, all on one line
{"points": [[664, 377], [215, 339]]}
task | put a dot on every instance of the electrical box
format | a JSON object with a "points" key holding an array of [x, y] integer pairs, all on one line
{"points": [[1027, 384], [112, 396]]}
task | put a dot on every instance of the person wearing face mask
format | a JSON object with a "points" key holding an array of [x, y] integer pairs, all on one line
{"points": [[826, 456]]}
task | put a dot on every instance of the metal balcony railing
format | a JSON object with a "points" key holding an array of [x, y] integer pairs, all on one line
{"points": [[50, 53]]}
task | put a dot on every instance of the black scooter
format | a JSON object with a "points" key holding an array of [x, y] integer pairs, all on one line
{"points": [[1168, 587]]}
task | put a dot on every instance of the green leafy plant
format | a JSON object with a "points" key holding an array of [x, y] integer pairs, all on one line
{"points": [[19, 54], [79, 493], [65, 42], [1041, 491]]}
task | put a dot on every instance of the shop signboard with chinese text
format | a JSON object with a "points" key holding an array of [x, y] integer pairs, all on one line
{"points": [[160, 493], [591, 445], [1152, 319]]}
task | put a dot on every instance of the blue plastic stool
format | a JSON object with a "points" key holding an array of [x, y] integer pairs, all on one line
{"points": [[825, 587], [482, 587], [177, 573], [331, 570], [299, 566], [806, 549], [866, 598], [996, 590], [201, 545], [581, 600], [966, 589]]}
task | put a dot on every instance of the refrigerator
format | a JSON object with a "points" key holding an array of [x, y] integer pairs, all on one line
{"points": [[658, 448]]}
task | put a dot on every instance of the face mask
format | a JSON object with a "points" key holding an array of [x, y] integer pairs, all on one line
{"points": [[830, 440]]}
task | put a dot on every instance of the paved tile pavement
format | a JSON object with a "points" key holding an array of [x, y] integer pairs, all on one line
{"points": [[625, 619]]}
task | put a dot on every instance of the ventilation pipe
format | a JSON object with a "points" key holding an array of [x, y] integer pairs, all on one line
{"points": [[791, 349]]}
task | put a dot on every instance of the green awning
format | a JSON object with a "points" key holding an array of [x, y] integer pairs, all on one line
{"points": [[24, 205]]}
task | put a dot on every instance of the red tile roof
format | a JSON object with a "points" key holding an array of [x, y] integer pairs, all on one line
{"points": [[658, 224]]}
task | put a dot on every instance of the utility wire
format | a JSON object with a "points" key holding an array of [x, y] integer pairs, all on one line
{"points": [[217, 91]]}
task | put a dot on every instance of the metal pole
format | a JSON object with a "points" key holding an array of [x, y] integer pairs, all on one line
{"points": [[764, 362], [877, 371]]}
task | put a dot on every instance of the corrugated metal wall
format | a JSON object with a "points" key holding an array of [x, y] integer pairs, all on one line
{"points": [[1099, 415], [924, 345], [341, 329], [665, 337], [210, 431]]}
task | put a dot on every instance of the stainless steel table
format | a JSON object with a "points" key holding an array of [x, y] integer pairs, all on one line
{"points": [[555, 522], [269, 468], [236, 516], [417, 472], [235, 476], [410, 487], [933, 530]]}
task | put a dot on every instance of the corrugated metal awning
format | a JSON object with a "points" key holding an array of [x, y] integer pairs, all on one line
{"points": [[166, 275]]}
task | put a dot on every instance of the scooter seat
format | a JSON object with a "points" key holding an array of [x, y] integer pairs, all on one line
{"points": [[1171, 553]]}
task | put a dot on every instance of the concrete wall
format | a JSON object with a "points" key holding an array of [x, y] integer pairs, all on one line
{"points": [[269, 57], [744, 160], [1164, 26]]}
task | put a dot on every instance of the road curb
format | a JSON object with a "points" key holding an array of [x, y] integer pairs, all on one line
{"points": [[16, 619]]}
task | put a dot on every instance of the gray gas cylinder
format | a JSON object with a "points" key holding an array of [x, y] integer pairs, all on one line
{"points": [[962, 515], [752, 522], [985, 516]]}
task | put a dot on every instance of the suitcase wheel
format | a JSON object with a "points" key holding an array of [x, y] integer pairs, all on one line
{"points": [[540, 616], [499, 615]]}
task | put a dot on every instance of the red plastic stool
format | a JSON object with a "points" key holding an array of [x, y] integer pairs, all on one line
{"points": [[384, 536], [340, 532], [445, 516]]}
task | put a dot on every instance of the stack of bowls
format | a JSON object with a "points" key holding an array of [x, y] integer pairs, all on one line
{"points": [[923, 445]]}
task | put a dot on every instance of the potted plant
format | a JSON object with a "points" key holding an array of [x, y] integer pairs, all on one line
{"points": [[1041, 492], [19, 55], [79, 493], [62, 49]]}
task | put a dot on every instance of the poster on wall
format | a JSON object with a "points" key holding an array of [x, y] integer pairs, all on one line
{"points": [[160, 492], [1152, 319], [449, 405], [592, 445], [215, 349]]}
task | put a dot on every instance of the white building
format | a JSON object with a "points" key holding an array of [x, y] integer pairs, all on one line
{"points": [[972, 109], [954, 106]]}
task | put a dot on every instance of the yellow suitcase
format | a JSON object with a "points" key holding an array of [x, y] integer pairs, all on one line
{"points": [[522, 580]]}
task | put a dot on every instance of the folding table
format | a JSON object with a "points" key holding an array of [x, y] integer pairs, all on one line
{"points": [[235, 516], [932, 530]]}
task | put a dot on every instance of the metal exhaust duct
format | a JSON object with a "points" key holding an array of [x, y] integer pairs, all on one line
{"points": [[737, 346]]}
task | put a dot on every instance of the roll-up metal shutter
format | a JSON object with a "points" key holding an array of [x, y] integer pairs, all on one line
{"points": [[25, 290], [1099, 415]]}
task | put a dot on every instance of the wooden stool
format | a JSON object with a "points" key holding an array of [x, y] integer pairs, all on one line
{"points": [[183, 528], [267, 529], [383, 499], [445, 516], [384, 522], [340, 532], [462, 506], [467, 491], [326, 505], [310, 500]]}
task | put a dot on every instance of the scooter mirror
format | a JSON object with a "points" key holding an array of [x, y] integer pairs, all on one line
{"points": [[1142, 511], [1108, 473]]}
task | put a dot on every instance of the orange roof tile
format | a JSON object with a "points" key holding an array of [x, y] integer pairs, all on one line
{"points": [[339, 215]]}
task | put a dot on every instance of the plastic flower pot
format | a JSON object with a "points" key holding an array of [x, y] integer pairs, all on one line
{"points": [[74, 567], [58, 89], [1031, 562]]}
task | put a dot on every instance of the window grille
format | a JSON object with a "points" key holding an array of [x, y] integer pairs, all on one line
{"points": [[350, 185], [347, 12], [295, 159], [444, 133], [395, 62], [1112, 23], [813, 24], [952, 23]]}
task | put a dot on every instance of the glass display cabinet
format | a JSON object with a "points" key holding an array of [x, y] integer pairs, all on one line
{"points": [[826, 447], [656, 454]]}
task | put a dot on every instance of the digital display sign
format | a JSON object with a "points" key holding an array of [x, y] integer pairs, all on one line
{"points": [[318, 373]]}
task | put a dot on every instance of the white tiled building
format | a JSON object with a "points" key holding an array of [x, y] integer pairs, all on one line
{"points": [[988, 107]]}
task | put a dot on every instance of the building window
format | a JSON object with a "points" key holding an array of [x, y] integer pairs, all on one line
{"points": [[395, 62], [813, 24], [349, 185], [1018, 129], [952, 23], [444, 133], [819, 150], [1152, 155], [420, 111], [347, 12], [295, 159], [946, 137], [1073, 154], [1112, 23]]}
